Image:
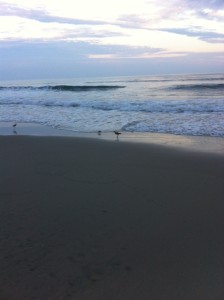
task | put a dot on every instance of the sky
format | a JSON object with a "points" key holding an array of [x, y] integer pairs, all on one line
{"points": [[80, 38]]}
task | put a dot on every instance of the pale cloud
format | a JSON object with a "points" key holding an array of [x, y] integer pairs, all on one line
{"points": [[103, 10], [41, 15], [168, 41], [142, 56], [15, 28]]}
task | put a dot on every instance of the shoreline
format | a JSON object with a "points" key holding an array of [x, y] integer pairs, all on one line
{"points": [[204, 144]]}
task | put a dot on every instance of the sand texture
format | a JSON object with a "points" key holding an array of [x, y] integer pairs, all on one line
{"points": [[90, 219]]}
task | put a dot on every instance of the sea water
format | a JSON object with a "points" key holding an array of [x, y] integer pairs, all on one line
{"points": [[191, 104]]}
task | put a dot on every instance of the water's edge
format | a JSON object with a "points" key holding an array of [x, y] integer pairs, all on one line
{"points": [[202, 144]]}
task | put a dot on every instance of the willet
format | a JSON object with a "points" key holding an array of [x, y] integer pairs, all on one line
{"points": [[117, 133], [14, 128]]}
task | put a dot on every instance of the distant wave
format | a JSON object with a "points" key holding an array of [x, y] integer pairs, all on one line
{"points": [[69, 88], [198, 86], [155, 80], [174, 80]]}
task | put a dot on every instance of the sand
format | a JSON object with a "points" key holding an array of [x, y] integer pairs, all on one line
{"points": [[90, 219]]}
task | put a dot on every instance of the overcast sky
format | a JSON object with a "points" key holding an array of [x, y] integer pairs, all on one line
{"points": [[79, 38]]}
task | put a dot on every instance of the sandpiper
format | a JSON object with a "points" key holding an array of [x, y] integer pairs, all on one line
{"points": [[117, 133]]}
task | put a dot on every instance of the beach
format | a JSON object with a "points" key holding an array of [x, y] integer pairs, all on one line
{"points": [[85, 218]]}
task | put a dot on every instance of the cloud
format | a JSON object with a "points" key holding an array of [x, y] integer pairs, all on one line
{"points": [[75, 50], [208, 36], [46, 26], [56, 59], [132, 21], [41, 15], [209, 9], [202, 4], [123, 52]]}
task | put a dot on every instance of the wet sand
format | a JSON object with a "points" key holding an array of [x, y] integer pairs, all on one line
{"points": [[92, 219]]}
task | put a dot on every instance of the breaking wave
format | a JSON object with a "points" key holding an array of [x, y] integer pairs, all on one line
{"points": [[125, 106]]}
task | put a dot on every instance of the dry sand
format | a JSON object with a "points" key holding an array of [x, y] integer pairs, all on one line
{"points": [[91, 219]]}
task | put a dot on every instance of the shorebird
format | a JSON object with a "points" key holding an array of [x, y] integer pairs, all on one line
{"points": [[117, 133], [99, 132], [14, 128]]}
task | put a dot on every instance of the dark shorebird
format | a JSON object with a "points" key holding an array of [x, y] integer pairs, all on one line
{"points": [[14, 128], [117, 133], [99, 132]]}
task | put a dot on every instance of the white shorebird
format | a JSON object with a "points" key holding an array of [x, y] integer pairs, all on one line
{"points": [[117, 133]]}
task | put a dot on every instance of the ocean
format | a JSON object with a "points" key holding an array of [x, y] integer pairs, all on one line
{"points": [[191, 104]]}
